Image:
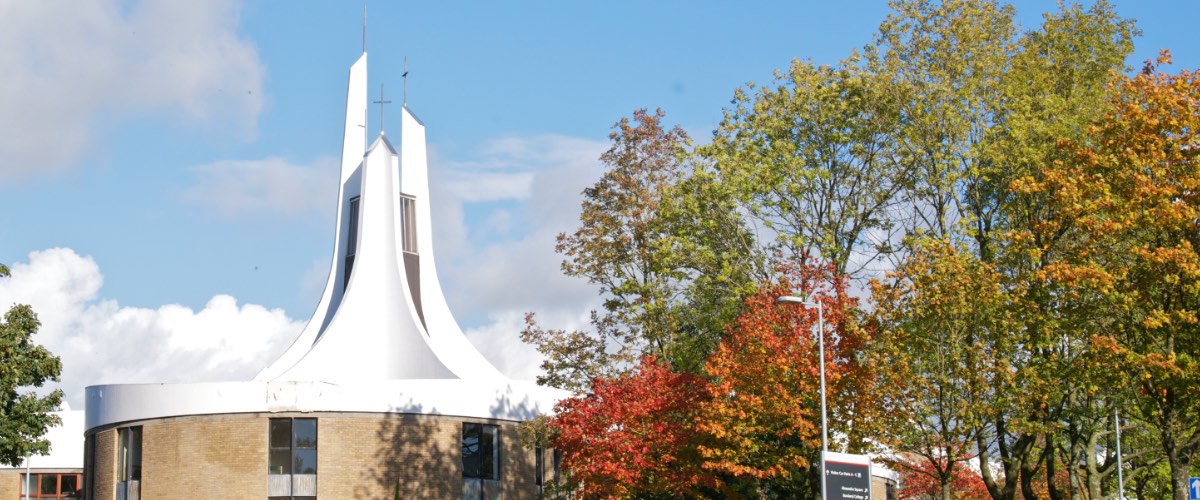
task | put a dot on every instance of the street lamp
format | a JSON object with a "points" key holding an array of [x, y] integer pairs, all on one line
{"points": [[788, 299]]}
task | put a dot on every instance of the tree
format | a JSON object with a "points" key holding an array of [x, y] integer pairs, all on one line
{"points": [[670, 255], [921, 481], [984, 108], [24, 415], [762, 417], [632, 435], [941, 333], [811, 159], [1132, 189]]}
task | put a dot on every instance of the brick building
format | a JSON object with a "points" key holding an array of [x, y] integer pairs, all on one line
{"points": [[56, 475], [381, 393]]}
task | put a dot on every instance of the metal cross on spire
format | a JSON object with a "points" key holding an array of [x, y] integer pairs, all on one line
{"points": [[381, 102], [404, 99]]}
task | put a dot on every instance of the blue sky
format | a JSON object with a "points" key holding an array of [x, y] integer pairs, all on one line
{"points": [[176, 152]]}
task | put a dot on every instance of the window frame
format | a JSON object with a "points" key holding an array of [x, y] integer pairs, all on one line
{"points": [[495, 451], [129, 448], [408, 223], [36, 484], [292, 448], [354, 209]]}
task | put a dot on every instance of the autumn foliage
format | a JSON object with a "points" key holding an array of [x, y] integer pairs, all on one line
{"points": [[920, 478], [1030, 216], [633, 434], [763, 415], [752, 423]]}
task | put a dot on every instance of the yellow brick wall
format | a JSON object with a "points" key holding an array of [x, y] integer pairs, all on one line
{"points": [[104, 472], [359, 456], [369, 456], [10, 483], [209, 457], [879, 488]]}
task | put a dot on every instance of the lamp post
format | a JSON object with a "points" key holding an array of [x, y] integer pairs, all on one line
{"points": [[1120, 476], [788, 299]]}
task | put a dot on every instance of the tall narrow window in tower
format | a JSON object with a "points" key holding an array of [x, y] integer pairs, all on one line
{"points": [[129, 467], [539, 467], [292, 459], [481, 461], [351, 240], [408, 223]]}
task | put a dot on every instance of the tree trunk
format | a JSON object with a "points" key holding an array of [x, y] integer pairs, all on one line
{"points": [[1179, 475], [1176, 458], [1027, 471]]}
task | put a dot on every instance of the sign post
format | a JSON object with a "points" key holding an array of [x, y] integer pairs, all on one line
{"points": [[1194, 488], [847, 477]]}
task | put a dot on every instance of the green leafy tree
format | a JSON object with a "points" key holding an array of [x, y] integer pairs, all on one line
{"points": [[666, 248], [24, 415], [941, 333], [811, 157], [986, 107], [1132, 190]]}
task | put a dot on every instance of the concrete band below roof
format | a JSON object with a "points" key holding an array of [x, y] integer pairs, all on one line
{"points": [[502, 399]]}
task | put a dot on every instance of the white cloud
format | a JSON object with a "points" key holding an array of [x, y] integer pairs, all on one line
{"points": [[101, 342], [72, 69], [506, 260], [498, 267], [508, 168], [503, 264], [517, 359], [266, 187]]}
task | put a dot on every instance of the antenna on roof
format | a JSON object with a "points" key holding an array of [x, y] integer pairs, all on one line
{"points": [[404, 100], [364, 26]]}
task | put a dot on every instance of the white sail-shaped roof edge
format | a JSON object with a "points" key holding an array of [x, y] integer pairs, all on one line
{"points": [[354, 142], [384, 321]]}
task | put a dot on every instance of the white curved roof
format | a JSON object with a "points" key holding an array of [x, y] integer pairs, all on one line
{"points": [[500, 399], [382, 338]]}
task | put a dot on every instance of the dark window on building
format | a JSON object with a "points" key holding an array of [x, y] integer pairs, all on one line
{"points": [[351, 240], [481, 461], [539, 466], [292, 459], [481, 451], [89, 466], [52, 485], [557, 464], [408, 223], [129, 466]]}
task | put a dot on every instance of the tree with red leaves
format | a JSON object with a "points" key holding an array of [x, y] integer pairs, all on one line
{"points": [[920, 480], [633, 437], [762, 418]]}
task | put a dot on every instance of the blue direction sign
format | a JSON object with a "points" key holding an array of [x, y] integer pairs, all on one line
{"points": [[1194, 488]]}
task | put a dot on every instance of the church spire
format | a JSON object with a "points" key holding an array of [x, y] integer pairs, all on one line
{"points": [[383, 315]]}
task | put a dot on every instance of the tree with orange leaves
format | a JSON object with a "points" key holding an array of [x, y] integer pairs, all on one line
{"points": [[632, 435], [762, 418], [1131, 193]]}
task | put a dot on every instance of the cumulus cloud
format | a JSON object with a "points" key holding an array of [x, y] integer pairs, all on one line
{"points": [[503, 261], [72, 69], [272, 186], [497, 266], [101, 342], [508, 167], [517, 359]]}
